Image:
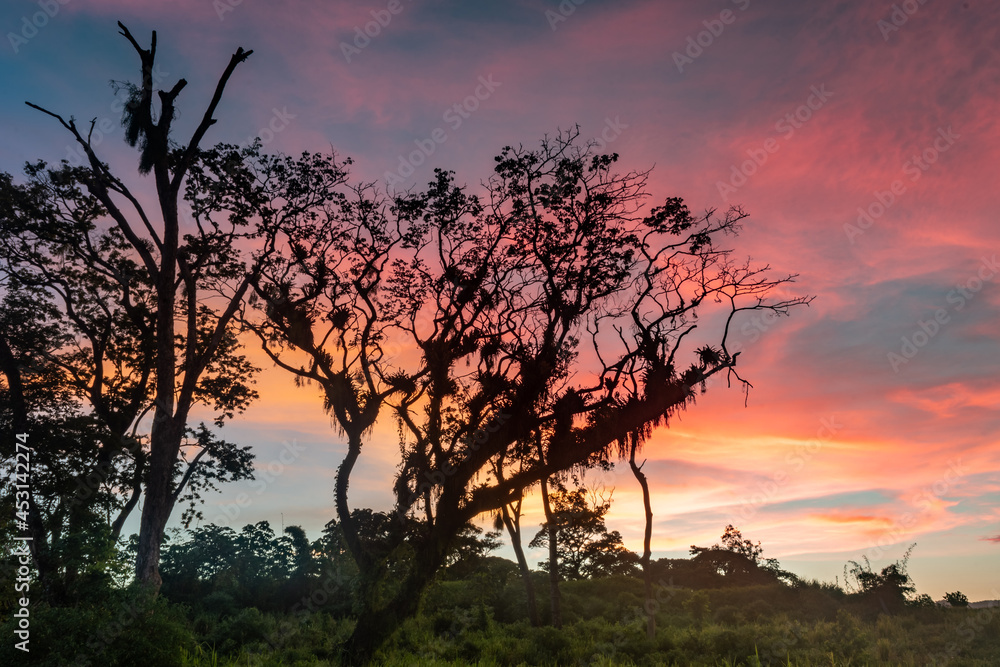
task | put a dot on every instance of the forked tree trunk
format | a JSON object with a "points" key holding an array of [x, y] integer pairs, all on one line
{"points": [[133, 501], [377, 622]]}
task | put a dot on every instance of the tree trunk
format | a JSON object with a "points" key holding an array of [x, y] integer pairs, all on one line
{"points": [[647, 574], [513, 525], [377, 622], [39, 546], [348, 526], [553, 557], [130, 504], [165, 443]]}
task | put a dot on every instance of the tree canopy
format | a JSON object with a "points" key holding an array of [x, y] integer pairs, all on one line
{"points": [[540, 322]]}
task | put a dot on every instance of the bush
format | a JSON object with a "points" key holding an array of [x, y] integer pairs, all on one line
{"points": [[957, 599], [249, 628], [122, 628], [728, 615]]}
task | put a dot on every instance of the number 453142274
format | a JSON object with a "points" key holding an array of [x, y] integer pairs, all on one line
{"points": [[21, 470]]}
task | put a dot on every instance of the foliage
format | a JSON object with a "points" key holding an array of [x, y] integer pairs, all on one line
{"points": [[476, 618], [586, 548], [470, 551], [888, 588], [497, 293], [735, 562], [251, 566], [603, 629], [922, 600], [116, 628], [957, 599]]}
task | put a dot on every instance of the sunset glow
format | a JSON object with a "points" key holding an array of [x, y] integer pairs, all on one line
{"points": [[865, 153]]}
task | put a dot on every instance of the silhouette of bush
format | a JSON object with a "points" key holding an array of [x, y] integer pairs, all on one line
{"points": [[886, 590], [957, 599]]}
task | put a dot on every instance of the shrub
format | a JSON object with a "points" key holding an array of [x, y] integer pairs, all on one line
{"points": [[957, 599], [248, 628], [122, 628], [728, 615]]}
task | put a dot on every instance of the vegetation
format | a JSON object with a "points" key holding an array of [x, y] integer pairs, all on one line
{"points": [[957, 599], [518, 335], [255, 598]]}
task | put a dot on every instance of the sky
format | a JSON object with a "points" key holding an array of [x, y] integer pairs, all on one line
{"points": [[861, 137]]}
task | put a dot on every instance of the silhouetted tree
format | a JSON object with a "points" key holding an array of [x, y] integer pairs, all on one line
{"points": [[185, 283], [889, 587], [733, 540], [253, 567], [509, 517], [957, 599], [471, 548], [647, 537], [305, 561], [738, 561], [470, 319], [585, 546], [67, 344]]}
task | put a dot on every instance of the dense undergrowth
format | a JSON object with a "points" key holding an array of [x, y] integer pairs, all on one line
{"points": [[480, 621]]}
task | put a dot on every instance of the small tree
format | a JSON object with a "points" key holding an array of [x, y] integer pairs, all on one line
{"points": [[739, 561], [957, 599], [889, 587], [471, 549], [179, 285], [732, 540], [586, 548]]}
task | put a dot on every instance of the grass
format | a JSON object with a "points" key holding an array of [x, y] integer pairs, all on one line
{"points": [[459, 624], [960, 638]]}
